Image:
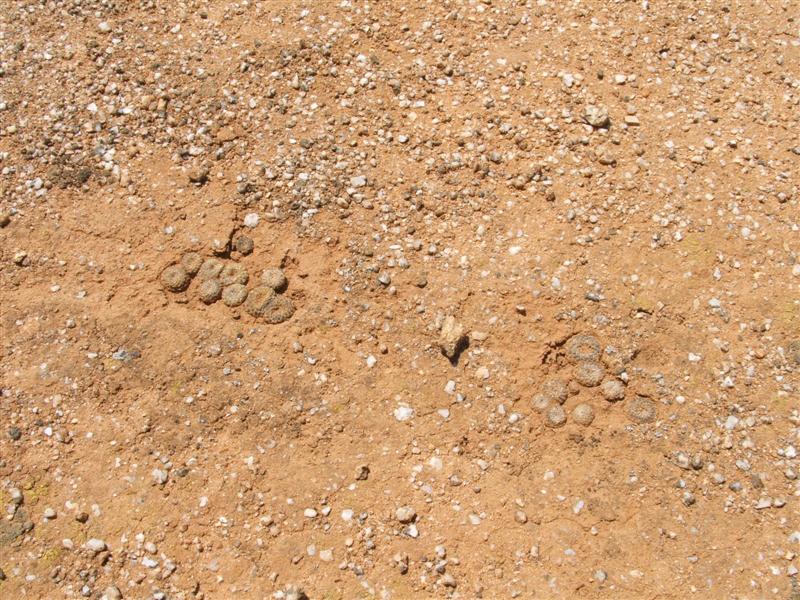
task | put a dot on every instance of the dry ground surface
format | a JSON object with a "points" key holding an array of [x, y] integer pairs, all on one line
{"points": [[540, 336]]}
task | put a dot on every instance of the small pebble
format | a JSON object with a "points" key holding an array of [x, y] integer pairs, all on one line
{"points": [[403, 413], [596, 116], [405, 514], [453, 338], [600, 576], [96, 545], [111, 593]]}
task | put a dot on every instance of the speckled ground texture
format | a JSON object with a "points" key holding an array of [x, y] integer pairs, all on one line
{"points": [[529, 327]]}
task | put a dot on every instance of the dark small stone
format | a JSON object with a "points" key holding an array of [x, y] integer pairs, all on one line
{"points": [[14, 433], [199, 175], [82, 517]]}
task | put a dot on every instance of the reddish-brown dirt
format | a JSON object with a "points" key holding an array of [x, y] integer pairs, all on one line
{"points": [[535, 170]]}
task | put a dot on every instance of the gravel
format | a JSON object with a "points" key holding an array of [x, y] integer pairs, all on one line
{"points": [[534, 170]]}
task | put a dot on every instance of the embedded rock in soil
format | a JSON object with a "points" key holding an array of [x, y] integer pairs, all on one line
{"points": [[198, 174], [452, 339], [596, 116]]}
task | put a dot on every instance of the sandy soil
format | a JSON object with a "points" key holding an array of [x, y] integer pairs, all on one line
{"points": [[540, 334]]}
